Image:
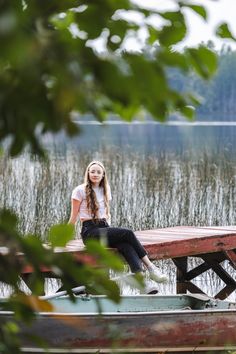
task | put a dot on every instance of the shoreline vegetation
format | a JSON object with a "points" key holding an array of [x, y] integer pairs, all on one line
{"points": [[217, 96], [160, 191]]}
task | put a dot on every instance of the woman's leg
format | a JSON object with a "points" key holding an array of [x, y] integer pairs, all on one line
{"points": [[131, 257], [112, 240], [116, 236], [146, 261]]}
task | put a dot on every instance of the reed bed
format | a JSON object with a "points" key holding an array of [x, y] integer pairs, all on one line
{"points": [[147, 191]]}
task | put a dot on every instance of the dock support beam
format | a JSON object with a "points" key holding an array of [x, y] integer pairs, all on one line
{"points": [[210, 261]]}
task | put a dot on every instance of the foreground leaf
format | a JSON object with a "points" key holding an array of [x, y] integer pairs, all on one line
{"points": [[60, 235], [223, 31], [204, 61]]}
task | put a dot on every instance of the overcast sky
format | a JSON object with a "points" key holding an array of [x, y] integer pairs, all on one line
{"points": [[219, 11], [198, 30]]}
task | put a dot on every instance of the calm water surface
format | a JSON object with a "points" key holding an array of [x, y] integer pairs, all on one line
{"points": [[155, 138]]}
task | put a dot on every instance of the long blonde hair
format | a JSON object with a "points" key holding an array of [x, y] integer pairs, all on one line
{"points": [[92, 203]]}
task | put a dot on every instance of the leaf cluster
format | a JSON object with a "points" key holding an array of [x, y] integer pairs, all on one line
{"points": [[21, 255]]}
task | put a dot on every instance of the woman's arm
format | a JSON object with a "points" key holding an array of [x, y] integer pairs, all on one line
{"points": [[75, 205]]}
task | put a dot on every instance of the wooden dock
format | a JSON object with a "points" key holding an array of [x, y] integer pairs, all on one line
{"points": [[212, 244]]}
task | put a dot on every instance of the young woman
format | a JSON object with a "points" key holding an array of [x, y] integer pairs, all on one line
{"points": [[90, 202]]}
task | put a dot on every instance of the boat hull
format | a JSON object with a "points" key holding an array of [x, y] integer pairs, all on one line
{"points": [[171, 328], [142, 331]]}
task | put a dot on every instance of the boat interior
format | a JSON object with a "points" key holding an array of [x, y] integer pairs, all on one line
{"points": [[139, 303]]}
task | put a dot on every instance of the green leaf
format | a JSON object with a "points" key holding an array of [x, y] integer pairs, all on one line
{"points": [[195, 98], [200, 10], [34, 303], [175, 32], [126, 112], [8, 220], [188, 112], [10, 263], [223, 31], [153, 34], [19, 305], [104, 255], [158, 109], [172, 58], [133, 280], [62, 23], [204, 61], [101, 284], [170, 35], [172, 16], [9, 338], [12, 327], [59, 235]]}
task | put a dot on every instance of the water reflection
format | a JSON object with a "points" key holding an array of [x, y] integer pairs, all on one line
{"points": [[181, 138]]}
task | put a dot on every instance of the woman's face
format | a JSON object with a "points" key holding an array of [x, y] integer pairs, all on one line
{"points": [[96, 174]]}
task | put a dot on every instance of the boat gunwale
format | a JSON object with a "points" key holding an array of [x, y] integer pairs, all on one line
{"points": [[171, 311], [127, 314], [155, 350]]}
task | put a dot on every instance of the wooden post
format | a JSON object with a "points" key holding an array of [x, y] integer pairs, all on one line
{"points": [[181, 271]]}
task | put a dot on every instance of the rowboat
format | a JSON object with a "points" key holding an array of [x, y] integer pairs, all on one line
{"points": [[140, 322]]}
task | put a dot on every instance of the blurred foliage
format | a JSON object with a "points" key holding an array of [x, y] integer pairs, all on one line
{"points": [[93, 274], [50, 67]]}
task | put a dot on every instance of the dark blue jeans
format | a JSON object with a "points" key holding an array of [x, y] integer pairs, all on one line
{"points": [[123, 239]]}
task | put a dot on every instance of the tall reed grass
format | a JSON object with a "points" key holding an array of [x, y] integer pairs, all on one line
{"points": [[147, 192]]}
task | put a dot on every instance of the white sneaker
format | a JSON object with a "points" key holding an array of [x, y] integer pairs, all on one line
{"points": [[157, 276], [149, 288]]}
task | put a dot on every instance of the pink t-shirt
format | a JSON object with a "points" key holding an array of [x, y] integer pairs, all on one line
{"points": [[79, 194]]}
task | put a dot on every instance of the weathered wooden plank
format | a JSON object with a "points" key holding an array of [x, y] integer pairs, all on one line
{"points": [[225, 292], [190, 247], [176, 248], [221, 272], [193, 273], [194, 289], [182, 266], [225, 228], [231, 256], [194, 232], [161, 245], [199, 228]]}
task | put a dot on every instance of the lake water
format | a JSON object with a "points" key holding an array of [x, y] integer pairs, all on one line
{"points": [[154, 138]]}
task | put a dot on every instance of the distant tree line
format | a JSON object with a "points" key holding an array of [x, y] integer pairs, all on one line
{"points": [[218, 96]]}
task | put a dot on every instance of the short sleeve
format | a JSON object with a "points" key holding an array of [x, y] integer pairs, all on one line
{"points": [[78, 193]]}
